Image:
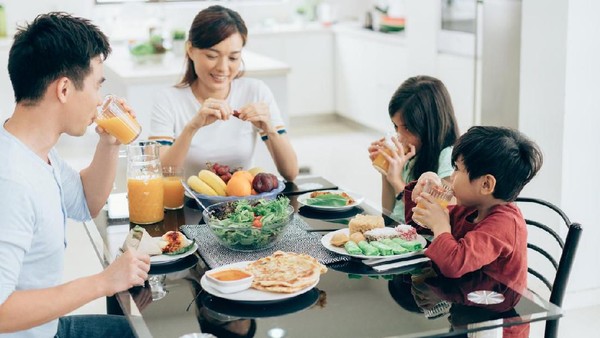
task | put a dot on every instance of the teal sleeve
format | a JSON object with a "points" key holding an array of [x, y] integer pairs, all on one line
{"points": [[445, 168]]}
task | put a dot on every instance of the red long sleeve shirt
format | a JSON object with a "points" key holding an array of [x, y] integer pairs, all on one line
{"points": [[497, 244]]}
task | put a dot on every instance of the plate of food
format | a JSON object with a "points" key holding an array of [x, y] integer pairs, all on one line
{"points": [[330, 200], [170, 247], [283, 275], [388, 242]]}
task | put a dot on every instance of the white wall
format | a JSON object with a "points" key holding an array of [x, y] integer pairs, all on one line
{"points": [[559, 109]]}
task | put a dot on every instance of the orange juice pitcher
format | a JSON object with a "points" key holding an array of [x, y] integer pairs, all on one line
{"points": [[144, 183]]}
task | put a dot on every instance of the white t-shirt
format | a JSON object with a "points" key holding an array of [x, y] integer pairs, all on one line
{"points": [[35, 200], [231, 142]]}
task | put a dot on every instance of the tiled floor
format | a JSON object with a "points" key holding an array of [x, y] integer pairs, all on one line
{"points": [[332, 148]]}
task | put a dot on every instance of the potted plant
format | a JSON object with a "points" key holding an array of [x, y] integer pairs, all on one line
{"points": [[178, 41]]}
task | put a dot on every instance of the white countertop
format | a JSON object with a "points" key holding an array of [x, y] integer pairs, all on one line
{"points": [[172, 67]]}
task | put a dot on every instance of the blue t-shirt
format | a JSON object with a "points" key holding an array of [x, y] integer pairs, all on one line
{"points": [[445, 169], [35, 200]]}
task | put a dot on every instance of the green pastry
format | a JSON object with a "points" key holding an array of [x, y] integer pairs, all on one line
{"points": [[368, 249], [352, 248]]}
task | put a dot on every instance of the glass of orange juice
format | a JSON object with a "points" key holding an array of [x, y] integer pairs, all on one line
{"points": [[380, 163], [173, 189], [440, 191], [144, 183], [113, 118]]}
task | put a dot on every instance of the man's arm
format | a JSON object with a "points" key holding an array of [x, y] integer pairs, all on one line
{"points": [[99, 176], [29, 308]]}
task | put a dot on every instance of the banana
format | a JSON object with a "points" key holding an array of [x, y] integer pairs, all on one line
{"points": [[200, 187], [214, 181]]}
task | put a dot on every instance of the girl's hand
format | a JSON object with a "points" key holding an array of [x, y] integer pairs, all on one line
{"points": [[211, 111], [397, 159], [430, 214], [258, 114], [374, 148]]}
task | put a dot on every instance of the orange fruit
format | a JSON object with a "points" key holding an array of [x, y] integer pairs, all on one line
{"points": [[245, 174], [239, 186]]}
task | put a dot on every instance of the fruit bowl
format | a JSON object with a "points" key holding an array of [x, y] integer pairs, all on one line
{"points": [[209, 200], [234, 225]]}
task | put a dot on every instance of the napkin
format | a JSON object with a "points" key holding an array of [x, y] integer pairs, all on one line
{"points": [[294, 239]]}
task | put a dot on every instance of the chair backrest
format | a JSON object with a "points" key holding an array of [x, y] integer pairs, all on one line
{"points": [[562, 265]]}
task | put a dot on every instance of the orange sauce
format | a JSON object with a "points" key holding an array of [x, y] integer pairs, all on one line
{"points": [[124, 131], [145, 200], [173, 192], [229, 275]]}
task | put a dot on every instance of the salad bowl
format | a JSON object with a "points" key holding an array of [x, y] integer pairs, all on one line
{"points": [[249, 225]]}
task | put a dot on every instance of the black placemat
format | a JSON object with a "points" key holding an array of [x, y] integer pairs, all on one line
{"points": [[294, 239]]}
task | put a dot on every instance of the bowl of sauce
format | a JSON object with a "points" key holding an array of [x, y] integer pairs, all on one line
{"points": [[229, 280]]}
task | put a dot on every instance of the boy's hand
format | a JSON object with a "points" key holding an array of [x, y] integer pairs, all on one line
{"points": [[431, 215], [418, 189]]}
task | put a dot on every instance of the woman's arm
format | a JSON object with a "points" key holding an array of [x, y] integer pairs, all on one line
{"points": [[283, 155]]}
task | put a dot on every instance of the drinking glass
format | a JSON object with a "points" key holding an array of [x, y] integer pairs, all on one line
{"points": [[440, 191], [113, 118], [380, 162], [144, 183], [157, 286], [173, 189]]}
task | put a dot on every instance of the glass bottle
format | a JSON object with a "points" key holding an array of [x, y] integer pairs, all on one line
{"points": [[144, 183]]}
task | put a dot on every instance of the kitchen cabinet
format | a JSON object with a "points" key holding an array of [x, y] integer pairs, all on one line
{"points": [[458, 74], [369, 68], [309, 53]]}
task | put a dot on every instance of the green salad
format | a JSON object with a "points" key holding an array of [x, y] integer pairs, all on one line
{"points": [[250, 225]]}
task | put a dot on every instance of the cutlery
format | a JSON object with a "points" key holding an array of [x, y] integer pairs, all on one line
{"points": [[376, 261], [193, 195], [395, 265]]}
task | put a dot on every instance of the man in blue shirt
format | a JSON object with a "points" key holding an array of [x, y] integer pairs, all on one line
{"points": [[56, 69]]}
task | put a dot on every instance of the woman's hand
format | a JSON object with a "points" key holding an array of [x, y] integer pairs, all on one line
{"points": [[258, 114], [105, 137], [211, 111]]}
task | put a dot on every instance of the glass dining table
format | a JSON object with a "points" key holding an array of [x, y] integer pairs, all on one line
{"points": [[351, 299]]}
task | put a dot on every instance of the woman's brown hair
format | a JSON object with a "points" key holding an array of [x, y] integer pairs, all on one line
{"points": [[211, 26]]}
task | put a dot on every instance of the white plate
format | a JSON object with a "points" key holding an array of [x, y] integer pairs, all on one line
{"points": [[163, 259], [250, 295], [326, 241], [357, 201]]}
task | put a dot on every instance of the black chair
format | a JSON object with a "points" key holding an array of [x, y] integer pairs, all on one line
{"points": [[557, 284]]}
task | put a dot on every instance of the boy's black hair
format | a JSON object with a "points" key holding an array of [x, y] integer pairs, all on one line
{"points": [[427, 112], [508, 155], [52, 46]]}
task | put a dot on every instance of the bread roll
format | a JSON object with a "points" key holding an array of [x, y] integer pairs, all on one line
{"points": [[362, 223]]}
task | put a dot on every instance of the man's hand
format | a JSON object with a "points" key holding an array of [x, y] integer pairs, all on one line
{"points": [[128, 270]]}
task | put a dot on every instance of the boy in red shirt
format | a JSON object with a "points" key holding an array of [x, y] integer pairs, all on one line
{"points": [[484, 230]]}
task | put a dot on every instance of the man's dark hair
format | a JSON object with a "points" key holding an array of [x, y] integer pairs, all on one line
{"points": [[426, 108], [52, 46], [504, 153]]}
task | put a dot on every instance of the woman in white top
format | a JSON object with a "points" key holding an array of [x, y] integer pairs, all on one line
{"points": [[213, 115]]}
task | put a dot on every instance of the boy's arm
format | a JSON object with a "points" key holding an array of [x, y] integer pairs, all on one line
{"points": [[25, 309], [490, 239]]}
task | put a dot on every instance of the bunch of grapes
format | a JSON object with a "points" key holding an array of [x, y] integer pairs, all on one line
{"points": [[221, 170]]}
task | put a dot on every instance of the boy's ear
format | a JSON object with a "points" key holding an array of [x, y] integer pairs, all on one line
{"points": [[488, 184]]}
